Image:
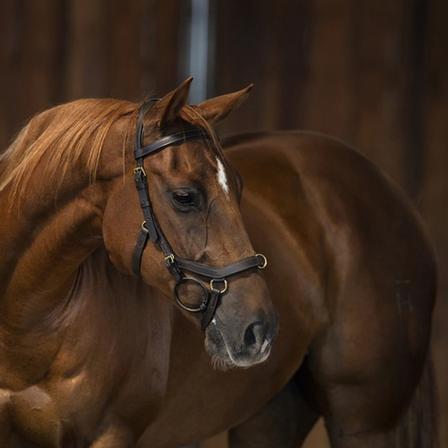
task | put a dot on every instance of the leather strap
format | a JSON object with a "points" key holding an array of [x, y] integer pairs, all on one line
{"points": [[140, 245], [141, 184], [169, 140], [212, 305], [245, 264]]}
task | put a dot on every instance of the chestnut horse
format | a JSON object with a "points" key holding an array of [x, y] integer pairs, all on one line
{"points": [[92, 356]]}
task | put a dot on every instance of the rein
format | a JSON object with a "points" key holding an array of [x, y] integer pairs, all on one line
{"points": [[150, 230]]}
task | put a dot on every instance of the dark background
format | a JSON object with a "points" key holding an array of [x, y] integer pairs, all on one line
{"points": [[374, 73]]}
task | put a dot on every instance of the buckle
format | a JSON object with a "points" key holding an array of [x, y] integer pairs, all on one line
{"points": [[139, 172], [169, 259], [264, 261], [144, 228], [215, 280]]}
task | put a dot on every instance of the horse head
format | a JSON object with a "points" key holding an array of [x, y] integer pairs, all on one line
{"points": [[175, 220]]}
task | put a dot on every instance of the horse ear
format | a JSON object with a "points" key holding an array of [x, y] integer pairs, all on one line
{"points": [[170, 105], [215, 109]]}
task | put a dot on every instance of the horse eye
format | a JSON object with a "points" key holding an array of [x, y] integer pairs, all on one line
{"points": [[185, 198]]}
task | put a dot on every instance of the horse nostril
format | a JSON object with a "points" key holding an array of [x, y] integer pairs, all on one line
{"points": [[255, 334]]}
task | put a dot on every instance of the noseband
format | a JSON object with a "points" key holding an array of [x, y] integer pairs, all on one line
{"points": [[180, 268]]}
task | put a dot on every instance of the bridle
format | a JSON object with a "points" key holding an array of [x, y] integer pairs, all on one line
{"points": [[150, 230]]}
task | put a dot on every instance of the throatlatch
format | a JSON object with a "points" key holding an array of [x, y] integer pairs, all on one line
{"points": [[150, 230]]}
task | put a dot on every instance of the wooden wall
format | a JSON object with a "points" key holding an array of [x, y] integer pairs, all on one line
{"points": [[374, 73], [348, 68], [52, 51]]}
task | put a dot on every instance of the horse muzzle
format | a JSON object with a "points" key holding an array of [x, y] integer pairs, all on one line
{"points": [[241, 344]]}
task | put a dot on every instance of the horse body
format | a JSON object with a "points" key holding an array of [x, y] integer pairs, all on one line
{"points": [[367, 358]]}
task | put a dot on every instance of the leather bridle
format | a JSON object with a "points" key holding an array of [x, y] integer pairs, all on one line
{"points": [[180, 268]]}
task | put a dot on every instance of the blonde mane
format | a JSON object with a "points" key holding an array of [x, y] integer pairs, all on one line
{"points": [[71, 132], [67, 132]]}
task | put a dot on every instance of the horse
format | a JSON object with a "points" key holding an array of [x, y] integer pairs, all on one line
{"points": [[84, 353], [351, 276]]}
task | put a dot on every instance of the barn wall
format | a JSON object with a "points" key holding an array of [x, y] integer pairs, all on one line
{"points": [[372, 73], [52, 51]]}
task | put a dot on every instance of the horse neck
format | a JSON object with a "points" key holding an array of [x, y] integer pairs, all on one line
{"points": [[122, 309], [43, 241]]}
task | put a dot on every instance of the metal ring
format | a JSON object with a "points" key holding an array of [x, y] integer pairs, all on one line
{"points": [[212, 287], [192, 309], [140, 169], [170, 259], [144, 228], [264, 259]]}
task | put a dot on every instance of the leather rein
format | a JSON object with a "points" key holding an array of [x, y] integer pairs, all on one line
{"points": [[180, 268]]}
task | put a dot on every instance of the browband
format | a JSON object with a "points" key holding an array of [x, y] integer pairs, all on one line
{"points": [[163, 142]]}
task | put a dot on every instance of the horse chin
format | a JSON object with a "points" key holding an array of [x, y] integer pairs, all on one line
{"points": [[222, 358], [221, 363]]}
